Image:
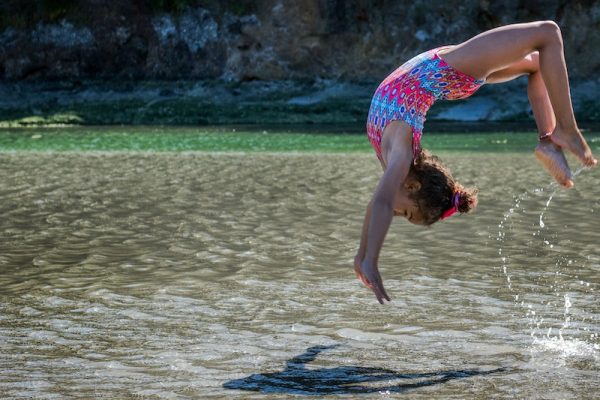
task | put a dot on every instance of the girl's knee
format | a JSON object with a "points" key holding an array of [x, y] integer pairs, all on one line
{"points": [[549, 29], [546, 33]]}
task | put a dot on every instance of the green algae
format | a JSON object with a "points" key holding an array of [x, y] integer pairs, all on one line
{"points": [[177, 111], [246, 139]]}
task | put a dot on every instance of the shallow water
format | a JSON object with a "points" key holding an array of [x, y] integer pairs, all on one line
{"points": [[190, 275]]}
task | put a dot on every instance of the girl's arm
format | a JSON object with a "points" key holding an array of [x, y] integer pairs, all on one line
{"points": [[381, 208], [362, 249]]}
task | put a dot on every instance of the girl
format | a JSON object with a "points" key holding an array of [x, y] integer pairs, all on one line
{"points": [[415, 185]]}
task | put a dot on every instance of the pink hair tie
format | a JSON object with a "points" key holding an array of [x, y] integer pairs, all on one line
{"points": [[453, 208]]}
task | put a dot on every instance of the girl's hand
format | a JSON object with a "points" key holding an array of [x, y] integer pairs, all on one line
{"points": [[369, 275]]}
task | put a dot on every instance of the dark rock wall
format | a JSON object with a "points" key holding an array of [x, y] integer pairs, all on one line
{"points": [[353, 40]]}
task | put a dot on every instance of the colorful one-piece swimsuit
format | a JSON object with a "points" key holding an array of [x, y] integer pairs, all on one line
{"points": [[408, 92]]}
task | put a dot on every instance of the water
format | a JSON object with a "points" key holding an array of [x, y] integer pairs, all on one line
{"points": [[190, 275]]}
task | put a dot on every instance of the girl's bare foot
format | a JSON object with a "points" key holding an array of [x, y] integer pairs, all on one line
{"points": [[554, 161], [576, 144]]}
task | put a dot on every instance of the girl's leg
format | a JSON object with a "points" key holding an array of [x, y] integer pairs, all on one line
{"points": [[550, 155], [499, 48], [543, 113], [537, 93]]}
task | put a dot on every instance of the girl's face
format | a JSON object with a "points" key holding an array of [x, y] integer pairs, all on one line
{"points": [[406, 207]]}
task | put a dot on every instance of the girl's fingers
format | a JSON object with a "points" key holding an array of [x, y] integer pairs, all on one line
{"points": [[366, 282], [363, 279], [379, 291], [382, 291], [387, 297], [381, 294], [375, 285]]}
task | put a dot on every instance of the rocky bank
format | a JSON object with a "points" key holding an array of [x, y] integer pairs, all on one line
{"points": [[296, 53]]}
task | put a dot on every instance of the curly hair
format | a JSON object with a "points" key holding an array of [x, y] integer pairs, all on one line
{"points": [[438, 188]]}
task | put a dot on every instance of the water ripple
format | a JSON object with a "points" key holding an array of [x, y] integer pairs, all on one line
{"points": [[169, 275]]}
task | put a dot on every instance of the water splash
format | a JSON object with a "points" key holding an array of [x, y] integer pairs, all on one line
{"points": [[549, 334], [542, 225], [505, 259], [555, 190], [565, 347]]}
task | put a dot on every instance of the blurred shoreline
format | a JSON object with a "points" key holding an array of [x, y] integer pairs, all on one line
{"points": [[259, 103]]}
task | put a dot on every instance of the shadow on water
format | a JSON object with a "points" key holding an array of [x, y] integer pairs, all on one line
{"points": [[297, 379]]}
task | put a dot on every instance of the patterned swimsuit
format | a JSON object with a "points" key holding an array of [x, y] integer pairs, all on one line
{"points": [[408, 92]]}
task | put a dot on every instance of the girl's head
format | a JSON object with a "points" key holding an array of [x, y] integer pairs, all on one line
{"points": [[437, 192]]}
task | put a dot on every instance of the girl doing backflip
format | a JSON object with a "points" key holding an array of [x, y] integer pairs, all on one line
{"points": [[415, 185]]}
